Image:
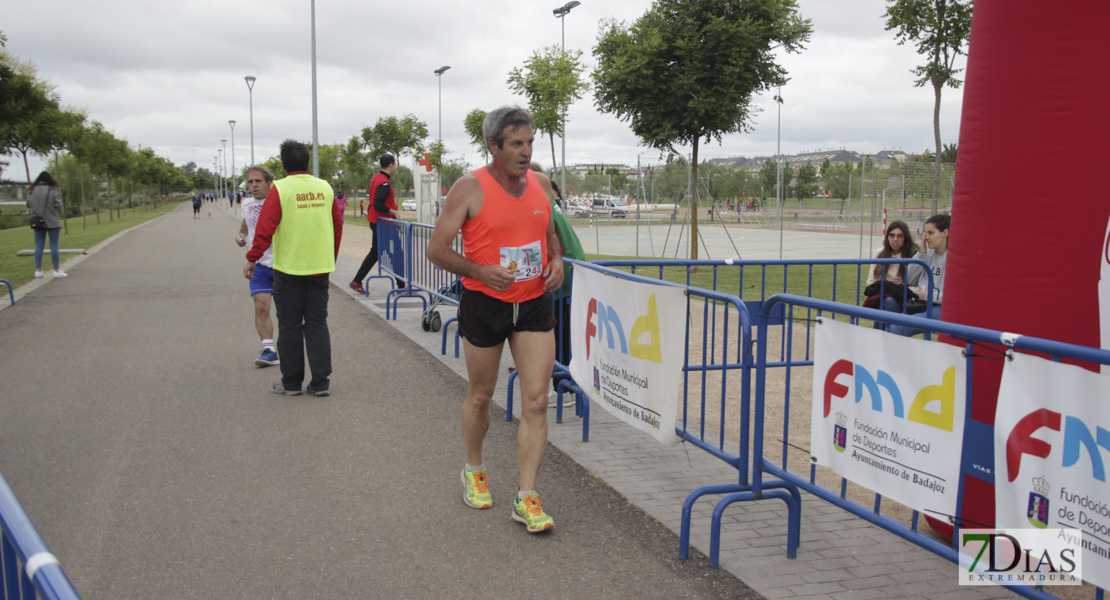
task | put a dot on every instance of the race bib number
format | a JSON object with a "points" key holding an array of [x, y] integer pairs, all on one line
{"points": [[526, 262]]}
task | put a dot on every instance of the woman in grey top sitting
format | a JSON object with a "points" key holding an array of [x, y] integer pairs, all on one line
{"points": [[45, 200]]}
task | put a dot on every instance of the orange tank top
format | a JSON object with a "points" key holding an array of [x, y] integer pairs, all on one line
{"points": [[511, 232]]}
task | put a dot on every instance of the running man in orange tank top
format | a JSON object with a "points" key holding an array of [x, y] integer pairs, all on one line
{"points": [[512, 265]]}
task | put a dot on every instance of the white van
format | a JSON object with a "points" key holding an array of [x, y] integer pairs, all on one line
{"points": [[604, 206]]}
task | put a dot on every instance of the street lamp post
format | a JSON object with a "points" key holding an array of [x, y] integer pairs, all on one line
{"points": [[315, 140], [216, 174], [439, 72], [561, 12], [234, 179], [250, 91], [224, 180], [220, 173], [779, 183], [439, 77]]}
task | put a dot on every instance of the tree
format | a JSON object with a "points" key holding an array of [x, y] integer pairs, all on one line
{"points": [[769, 177], [28, 110], [452, 172], [948, 154], [838, 181], [473, 126], [329, 160], [354, 165], [686, 70], [391, 135], [551, 80], [940, 30], [807, 178]]}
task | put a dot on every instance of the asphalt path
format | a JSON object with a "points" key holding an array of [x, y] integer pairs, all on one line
{"points": [[151, 456]]}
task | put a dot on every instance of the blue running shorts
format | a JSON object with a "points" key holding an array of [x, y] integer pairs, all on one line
{"points": [[263, 280]]}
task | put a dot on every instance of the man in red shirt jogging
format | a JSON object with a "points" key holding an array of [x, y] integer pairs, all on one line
{"points": [[512, 264]]}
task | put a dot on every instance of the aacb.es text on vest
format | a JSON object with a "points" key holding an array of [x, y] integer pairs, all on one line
{"points": [[310, 200]]}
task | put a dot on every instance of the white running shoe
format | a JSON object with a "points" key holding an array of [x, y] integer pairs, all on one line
{"points": [[60, 273], [38, 274]]}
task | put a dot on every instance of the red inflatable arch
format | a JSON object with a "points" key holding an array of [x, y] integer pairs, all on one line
{"points": [[1031, 199]]}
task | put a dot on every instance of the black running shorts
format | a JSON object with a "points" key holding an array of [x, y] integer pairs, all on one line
{"points": [[486, 322]]}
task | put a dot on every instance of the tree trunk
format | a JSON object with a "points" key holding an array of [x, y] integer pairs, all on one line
{"points": [[694, 203], [554, 165], [84, 219], [65, 215], [25, 167], [936, 135]]}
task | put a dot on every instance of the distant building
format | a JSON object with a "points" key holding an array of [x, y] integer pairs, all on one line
{"points": [[834, 156], [601, 167]]}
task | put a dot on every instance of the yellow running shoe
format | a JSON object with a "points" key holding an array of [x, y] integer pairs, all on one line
{"points": [[476, 489], [530, 512]]}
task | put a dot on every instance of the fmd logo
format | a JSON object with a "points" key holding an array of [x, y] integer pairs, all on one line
{"points": [[603, 324], [919, 412], [1077, 437]]}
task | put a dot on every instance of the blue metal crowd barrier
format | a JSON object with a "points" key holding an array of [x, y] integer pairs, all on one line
{"points": [[976, 449], [724, 347], [11, 296], [394, 258], [29, 569]]}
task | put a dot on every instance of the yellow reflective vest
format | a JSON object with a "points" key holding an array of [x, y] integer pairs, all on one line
{"points": [[304, 241]]}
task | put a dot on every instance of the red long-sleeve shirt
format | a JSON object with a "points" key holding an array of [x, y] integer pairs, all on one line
{"points": [[270, 216]]}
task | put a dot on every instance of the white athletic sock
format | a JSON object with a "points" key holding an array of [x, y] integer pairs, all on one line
{"points": [[522, 493], [470, 469], [268, 344]]}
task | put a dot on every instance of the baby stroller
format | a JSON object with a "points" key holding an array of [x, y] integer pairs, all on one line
{"points": [[431, 321]]}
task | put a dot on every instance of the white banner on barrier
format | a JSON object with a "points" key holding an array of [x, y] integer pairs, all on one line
{"points": [[634, 373], [1051, 454], [888, 413]]}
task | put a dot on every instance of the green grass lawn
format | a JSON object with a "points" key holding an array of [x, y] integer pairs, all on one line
{"points": [[761, 282], [21, 269]]}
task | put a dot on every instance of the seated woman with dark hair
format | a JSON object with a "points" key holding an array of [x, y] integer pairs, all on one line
{"points": [[935, 242]]}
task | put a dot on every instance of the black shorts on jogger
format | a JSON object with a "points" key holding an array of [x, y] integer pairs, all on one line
{"points": [[486, 322]]}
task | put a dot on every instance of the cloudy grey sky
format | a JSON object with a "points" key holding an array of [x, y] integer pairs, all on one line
{"points": [[169, 75]]}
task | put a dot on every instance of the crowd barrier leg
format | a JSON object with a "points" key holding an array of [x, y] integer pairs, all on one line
{"points": [[11, 296], [509, 397], [395, 295], [793, 528], [443, 346], [366, 283]]}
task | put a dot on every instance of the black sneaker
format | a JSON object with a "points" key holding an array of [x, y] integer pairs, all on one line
{"points": [[318, 393]]}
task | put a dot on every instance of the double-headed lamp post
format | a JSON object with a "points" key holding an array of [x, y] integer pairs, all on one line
{"points": [[234, 179], [561, 12], [250, 91]]}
